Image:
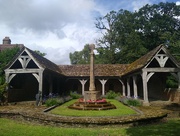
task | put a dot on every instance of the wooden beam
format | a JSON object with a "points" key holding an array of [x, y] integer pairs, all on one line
{"points": [[161, 69], [23, 70]]}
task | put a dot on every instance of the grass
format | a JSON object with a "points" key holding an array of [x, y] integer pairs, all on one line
{"points": [[15, 128], [120, 111]]}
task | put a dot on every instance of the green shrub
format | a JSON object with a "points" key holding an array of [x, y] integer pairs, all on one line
{"points": [[171, 82], [133, 102], [53, 101], [2, 89], [111, 95], [75, 95], [129, 101], [123, 99]]}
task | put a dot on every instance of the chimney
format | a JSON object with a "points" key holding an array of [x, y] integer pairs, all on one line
{"points": [[6, 40]]}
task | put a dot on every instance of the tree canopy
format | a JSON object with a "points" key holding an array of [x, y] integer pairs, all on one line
{"points": [[40, 53], [5, 57], [127, 35], [80, 57]]}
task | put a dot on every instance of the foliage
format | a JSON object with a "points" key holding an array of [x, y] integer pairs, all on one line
{"points": [[40, 53], [130, 101], [133, 102], [126, 35], [111, 95], [53, 101], [80, 57], [171, 82], [75, 95], [106, 45], [2, 89], [119, 111], [5, 57]]}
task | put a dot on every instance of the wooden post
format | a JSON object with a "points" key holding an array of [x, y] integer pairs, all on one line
{"points": [[128, 88], [123, 87], [145, 91], [103, 82], [178, 80], [135, 87], [83, 82]]}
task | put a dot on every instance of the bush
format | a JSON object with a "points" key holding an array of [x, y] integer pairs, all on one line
{"points": [[111, 95], [123, 100], [133, 102], [75, 95], [130, 101], [53, 101], [2, 90]]}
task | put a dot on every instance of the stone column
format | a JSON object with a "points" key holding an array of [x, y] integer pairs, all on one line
{"points": [[135, 87], [83, 82], [103, 82], [92, 85]]}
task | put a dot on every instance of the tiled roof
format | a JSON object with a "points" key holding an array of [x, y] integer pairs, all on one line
{"points": [[45, 63], [99, 69], [142, 61], [109, 69]]}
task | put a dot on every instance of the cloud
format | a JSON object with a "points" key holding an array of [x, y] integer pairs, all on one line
{"points": [[43, 16], [178, 3], [54, 27], [57, 27], [137, 4]]}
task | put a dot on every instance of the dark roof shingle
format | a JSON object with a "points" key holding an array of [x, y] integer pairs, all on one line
{"points": [[45, 63], [99, 69], [142, 61]]}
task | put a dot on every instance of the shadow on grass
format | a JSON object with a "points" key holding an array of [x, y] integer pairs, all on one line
{"points": [[171, 128]]}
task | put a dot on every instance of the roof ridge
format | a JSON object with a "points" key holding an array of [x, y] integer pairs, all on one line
{"points": [[44, 62], [143, 60]]}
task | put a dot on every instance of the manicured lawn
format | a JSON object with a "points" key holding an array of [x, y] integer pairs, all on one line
{"points": [[121, 110], [15, 128]]}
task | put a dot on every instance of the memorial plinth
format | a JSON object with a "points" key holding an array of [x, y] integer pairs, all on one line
{"points": [[92, 95]]}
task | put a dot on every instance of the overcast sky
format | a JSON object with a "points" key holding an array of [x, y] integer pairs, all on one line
{"points": [[58, 27]]}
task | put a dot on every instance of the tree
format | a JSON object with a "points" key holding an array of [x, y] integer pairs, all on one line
{"points": [[128, 35], [5, 57], [80, 57], [158, 23], [106, 46], [40, 53], [119, 36]]}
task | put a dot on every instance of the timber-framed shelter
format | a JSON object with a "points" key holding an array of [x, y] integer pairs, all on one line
{"points": [[29, 73]]}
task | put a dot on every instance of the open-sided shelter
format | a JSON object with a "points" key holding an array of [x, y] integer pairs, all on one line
{"points": [[145, 78]]}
